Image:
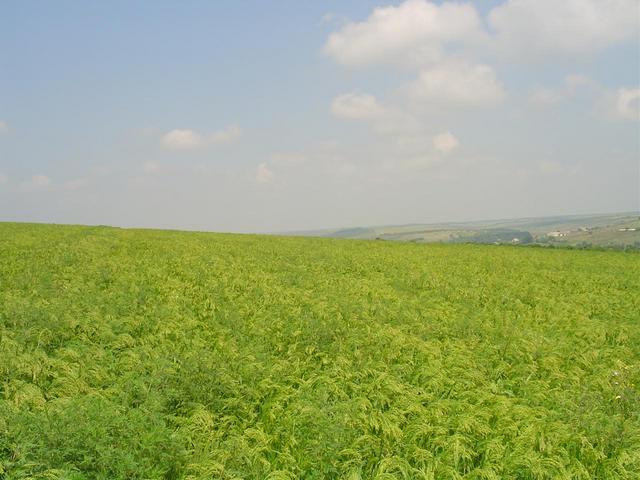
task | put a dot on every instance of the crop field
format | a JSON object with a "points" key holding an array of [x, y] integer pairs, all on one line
{"points": [[140, 354]]}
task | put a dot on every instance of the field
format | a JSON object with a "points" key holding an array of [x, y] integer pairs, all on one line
{"points": [[133, 354]]}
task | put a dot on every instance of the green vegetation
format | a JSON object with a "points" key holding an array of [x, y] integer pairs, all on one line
{"points": [[146, 354]]}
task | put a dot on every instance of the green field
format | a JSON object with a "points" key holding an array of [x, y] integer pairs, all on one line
{"points": [[133, 354]]}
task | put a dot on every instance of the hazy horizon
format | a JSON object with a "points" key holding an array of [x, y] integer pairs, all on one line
{"points": [[334, 228], [278, 118]]}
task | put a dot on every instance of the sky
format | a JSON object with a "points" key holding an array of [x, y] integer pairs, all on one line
{"points": [[254, 116]]}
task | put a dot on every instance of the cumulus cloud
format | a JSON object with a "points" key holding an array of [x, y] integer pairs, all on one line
{"points": [[458, 83], [445, 142], [382, 119], [445, 42], [357, 106], [227, 135], [264, 174], [622, 104], [182, 139], [412, 31], [185, 139], [423, 32], [570, 27]]}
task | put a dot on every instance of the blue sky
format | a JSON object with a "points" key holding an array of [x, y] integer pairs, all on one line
{"points": [[270, 116]]}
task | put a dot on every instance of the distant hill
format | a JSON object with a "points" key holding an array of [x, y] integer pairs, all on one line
{"points": [[603, 230]]}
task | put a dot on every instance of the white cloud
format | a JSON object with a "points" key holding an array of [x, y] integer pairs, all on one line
{"points": [[182, 139], [4, 127], [449, 42], [420, 32], [458, 83], [227, 135], [264, 174], [382, 120], [622, 104], [546, 28], [414, 31], [36, 182], [445, 142], [357, 106], [185, 139]]}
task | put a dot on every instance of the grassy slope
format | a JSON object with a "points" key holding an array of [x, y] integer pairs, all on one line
{"points": [[148, 354]]}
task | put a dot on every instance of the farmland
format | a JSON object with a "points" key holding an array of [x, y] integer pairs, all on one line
{"points": [[162, 354]]}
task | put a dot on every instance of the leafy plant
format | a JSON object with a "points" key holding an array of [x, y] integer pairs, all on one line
{"points": [[150, 354]]}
